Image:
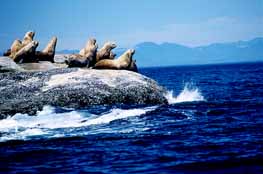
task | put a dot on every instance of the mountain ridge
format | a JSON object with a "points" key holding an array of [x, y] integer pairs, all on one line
{"points": [[176, 54]]}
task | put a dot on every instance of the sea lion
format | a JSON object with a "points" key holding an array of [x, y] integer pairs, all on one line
{"points": [[90, 51], [104, 52], [28, 38], [51, 46], [90, 47], [123, 62], [17, 44], [48, 53], [26, 53], [15, 47]]}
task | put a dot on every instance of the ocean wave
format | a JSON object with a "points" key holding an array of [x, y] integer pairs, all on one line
{"points": [[47, 122]]}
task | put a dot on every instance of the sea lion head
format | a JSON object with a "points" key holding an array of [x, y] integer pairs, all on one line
{"points": [[30, 34], [125, 59], [113, 45], [104, 52], [130, 52], [92, 41], [108, 46], [91, 44]]}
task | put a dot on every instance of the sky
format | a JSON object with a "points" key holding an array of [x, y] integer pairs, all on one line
{"points": [[129, 22]]}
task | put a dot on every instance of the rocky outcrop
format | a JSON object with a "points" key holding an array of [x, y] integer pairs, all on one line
{"points": [[28, 92], [61, 58], [8, 65]]}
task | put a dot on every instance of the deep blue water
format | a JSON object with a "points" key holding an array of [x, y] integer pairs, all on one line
{"points": [[213, 124]]}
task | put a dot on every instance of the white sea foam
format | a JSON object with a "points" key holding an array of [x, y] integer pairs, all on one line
{"points": [[47, 122], [188, 94], [117, 114]]}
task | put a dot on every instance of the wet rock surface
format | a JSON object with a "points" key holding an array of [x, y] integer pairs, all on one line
{"points": [[28, 92]]}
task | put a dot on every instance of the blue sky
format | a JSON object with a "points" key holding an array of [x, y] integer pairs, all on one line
{"points": [[128, 22]]}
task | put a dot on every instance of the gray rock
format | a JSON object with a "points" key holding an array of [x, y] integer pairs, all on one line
{"points": [[40, 66], [28, 92], [8, 65], [61, 58]]}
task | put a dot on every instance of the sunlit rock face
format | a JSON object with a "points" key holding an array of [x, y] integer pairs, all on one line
{"points": [[28, 92]]}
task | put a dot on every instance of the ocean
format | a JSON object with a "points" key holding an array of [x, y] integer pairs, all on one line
{"points": [[212, 124]]}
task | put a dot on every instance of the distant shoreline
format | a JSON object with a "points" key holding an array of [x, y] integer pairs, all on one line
{"points": [[209, 64]]}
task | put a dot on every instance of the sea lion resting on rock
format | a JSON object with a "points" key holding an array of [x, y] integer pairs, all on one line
{"points": [[17, 44], [48, 53], [86, 56], [26, 53], [90, 48], [90, 51], [123, 62], [105, 51]]}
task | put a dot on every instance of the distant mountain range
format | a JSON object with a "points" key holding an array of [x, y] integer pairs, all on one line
{"points": [[167, 54], [151, 54]]}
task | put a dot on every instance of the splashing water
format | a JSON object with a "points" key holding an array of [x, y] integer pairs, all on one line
{"points": [[188, 94], [48, 123]]}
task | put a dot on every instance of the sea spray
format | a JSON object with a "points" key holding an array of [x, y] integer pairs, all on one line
{"points": [[190, 93]]}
